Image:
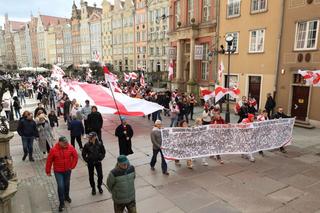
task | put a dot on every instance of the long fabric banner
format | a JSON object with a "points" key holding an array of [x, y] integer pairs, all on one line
{"points": [[219, 139]]}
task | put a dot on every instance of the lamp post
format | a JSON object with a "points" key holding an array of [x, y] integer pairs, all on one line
{"points": [[229, 39]]}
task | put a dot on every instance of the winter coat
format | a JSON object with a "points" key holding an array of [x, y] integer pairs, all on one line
{"points": [[95, 121], [37, 110], [53, 119], [85, 111], [278, 115], [124, 139], [270, 104], [67, 107], [27, 128], [16, 104], [120, 184], [76, 128], [45, 135], [156, 138], [63, 159], [93, 153]]}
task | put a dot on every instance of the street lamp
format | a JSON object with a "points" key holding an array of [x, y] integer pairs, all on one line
{"points": [[229, 39]]}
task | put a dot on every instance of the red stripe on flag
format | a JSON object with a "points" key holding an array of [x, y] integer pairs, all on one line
{"points": [[102, 98]]}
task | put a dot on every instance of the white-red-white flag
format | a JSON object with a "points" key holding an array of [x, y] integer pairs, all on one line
{"points": [[220, 92], [112, 79], [220, 72], [206, 94], [126, 77], [170, 73], [142, 81], [311, 77], [133, 75]]}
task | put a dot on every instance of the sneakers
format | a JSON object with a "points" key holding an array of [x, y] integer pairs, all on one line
{"points": [[68, 199], [24, 157], [93, 192], [100, 190]]}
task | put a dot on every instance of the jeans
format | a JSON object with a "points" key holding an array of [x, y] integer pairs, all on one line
{"points": [[98, 167], [8, 115], [174, 122], [154, 160], [18, 114], [63, 182], [86, 127], [131, 207], [52, 103], [30, 92], [78, 138], [27, 143], [22, 98], [156, 116]]}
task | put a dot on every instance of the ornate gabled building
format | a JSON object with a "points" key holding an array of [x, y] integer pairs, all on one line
{"points": [[95, 34], [34, 41], [75, 33], [2, 47], [140, 32]]}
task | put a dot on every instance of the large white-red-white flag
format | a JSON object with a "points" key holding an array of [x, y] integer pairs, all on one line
{"points": [[220, 92], [133, 75], [126, 77], [170, 73], [112, 79], [311, 77], [57, 72], [220, 72], [102, 97], [206, 93]]}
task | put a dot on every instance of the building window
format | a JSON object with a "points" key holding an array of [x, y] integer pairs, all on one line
{"points": [[258, 6], [306, 35], [205, 62], [187, 48], [190, 10], [206, 10], [235, 42], [256, 41], [177, 12], [138, 36], [151, 50], [233, 8]]}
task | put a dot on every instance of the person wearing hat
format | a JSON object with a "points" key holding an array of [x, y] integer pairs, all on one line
{"points": [[248, 120], [120, 184], [124, 133], [156, 140], [93, 153], [63, 157]]}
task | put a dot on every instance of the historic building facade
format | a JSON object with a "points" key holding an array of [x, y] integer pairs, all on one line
{"points": [[300, 50], [67, 45], [28, 45], [140, 33], [2, 47], [107, 46], [34, 41], [192, 23], [158, 40], [95, 35], [75, 33], [256, 28]]}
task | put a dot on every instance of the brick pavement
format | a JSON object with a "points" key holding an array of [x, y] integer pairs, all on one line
{"points": [[275, 183]]}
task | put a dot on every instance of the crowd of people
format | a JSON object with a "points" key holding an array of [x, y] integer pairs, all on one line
{"points": [[86, 122]]}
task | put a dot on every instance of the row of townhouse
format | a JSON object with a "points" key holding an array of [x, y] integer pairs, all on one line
{"points": [[273, 39]]}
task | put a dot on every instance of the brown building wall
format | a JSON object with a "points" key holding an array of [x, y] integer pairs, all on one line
{"points": [[34, 42], [290, 63]]}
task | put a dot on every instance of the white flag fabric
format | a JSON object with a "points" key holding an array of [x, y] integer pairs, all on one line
{"points": [[219, 139], [102, 97], [311, 77]]}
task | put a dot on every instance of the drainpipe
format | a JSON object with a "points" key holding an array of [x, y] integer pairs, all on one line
{"points": [[279, 48], [217, 37]]}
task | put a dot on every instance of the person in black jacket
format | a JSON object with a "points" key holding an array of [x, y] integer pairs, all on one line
{"points": [[27, 129], [93, 153], [270, 105], [95, 122], [278, 115], [124, 133], [40, 107], [76, 131], [243, 112]]}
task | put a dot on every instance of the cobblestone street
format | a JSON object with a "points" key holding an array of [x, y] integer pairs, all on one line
{"points": [[274, 183]]}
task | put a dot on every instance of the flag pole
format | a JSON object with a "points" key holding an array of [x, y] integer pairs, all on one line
{"points": [[114, 99]]}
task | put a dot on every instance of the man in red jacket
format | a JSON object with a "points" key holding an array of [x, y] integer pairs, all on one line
{"points": [[64, 158]]}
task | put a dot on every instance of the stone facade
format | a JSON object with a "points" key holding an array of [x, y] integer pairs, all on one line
{"points": [[2, 47], [140, 33], [95, 36], [75, 33], [107, 45], [67, 45]]}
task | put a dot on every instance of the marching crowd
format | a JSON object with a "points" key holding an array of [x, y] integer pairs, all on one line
{"points": [[86, 122]]}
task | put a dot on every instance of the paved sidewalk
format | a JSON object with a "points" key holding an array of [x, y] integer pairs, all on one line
{"points": [[275, 183]]}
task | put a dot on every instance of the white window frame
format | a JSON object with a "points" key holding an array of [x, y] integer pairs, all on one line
{"points": [[205, 62], [259, 10], [190, 10], [307, 35], [206, 5], [256, 45], [237, 40], [178, 12], [233, 3]]}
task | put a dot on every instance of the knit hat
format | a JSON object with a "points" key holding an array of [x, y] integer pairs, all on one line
{"points": [[63, 139], [122, 118], [123, 159], [92, 134], [158, 122]]}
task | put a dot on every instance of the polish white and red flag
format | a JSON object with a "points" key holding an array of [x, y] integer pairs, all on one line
{"points": [[206, 93], [133, 75], [220, 92], [311, 77], [57, 72], [102, 97], [142, 81], [220, 72], [170, 73], [126, 77]]}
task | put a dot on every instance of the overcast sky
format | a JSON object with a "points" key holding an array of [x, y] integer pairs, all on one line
{"points": [[20, 10]]}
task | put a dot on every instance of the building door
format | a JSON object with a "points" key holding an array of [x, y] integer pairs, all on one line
{"points": [[300, 100], [255, 88]]}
